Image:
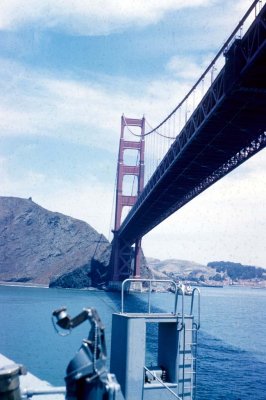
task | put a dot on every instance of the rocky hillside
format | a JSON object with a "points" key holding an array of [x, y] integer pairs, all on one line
{"points": [[214, 273], [40, 246], [178, 268]]}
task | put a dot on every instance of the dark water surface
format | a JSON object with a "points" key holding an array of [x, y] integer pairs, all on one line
{"points": [[231, 351]]}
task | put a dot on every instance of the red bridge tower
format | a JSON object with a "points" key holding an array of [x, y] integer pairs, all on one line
{"points": [[123, 253]]}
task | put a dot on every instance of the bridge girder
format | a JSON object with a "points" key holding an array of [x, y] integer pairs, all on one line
{"points": [[226, 129]]}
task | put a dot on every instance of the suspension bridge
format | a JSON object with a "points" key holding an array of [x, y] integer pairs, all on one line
{"points": [[218, 125]]}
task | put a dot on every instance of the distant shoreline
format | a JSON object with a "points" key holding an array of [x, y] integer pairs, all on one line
{"points": [[253, 285], [24, 284], [43, 286]]}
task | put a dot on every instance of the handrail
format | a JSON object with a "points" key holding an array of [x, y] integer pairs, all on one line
{"points": [[192, 305], [28, 393], [162, 383], [177, 290], [149, 293], [182, 289]]}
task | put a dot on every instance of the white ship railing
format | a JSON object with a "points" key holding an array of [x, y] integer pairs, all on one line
{"points": [[195, 290], [177, 291], [29, 393]]}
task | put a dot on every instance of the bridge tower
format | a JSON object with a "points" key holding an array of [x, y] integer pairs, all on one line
{"points": [[123, 253]]}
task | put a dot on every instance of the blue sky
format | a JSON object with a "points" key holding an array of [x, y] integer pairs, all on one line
{"points": [[69, 70]]}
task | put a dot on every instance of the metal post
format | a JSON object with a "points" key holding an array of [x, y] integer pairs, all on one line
{"points": [[149, 298], [9, 381]]}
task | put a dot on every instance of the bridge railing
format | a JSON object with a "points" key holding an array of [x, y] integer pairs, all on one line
{"points": [[159, 139]]}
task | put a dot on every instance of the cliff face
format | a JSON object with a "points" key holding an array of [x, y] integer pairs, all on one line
{"points": [[37, 245]]}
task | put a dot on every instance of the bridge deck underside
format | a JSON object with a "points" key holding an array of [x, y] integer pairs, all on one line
{"points": [[202, 156], [236, 120]]}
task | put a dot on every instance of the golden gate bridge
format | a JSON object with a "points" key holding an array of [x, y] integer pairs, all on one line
{"points": [[217, 126]]}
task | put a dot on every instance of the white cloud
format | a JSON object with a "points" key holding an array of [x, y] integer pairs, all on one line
{"points": [[49, 106], [186, 68], [39, 104], [87, 17]]}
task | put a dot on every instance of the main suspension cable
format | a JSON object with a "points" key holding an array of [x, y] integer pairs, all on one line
{"points": [[201, 78]]}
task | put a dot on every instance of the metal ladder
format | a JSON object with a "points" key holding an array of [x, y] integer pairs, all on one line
{"points": [[188, 355], [189, 374]]}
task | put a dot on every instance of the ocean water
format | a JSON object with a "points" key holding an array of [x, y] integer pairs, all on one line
{"points": [[232, 338]]}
